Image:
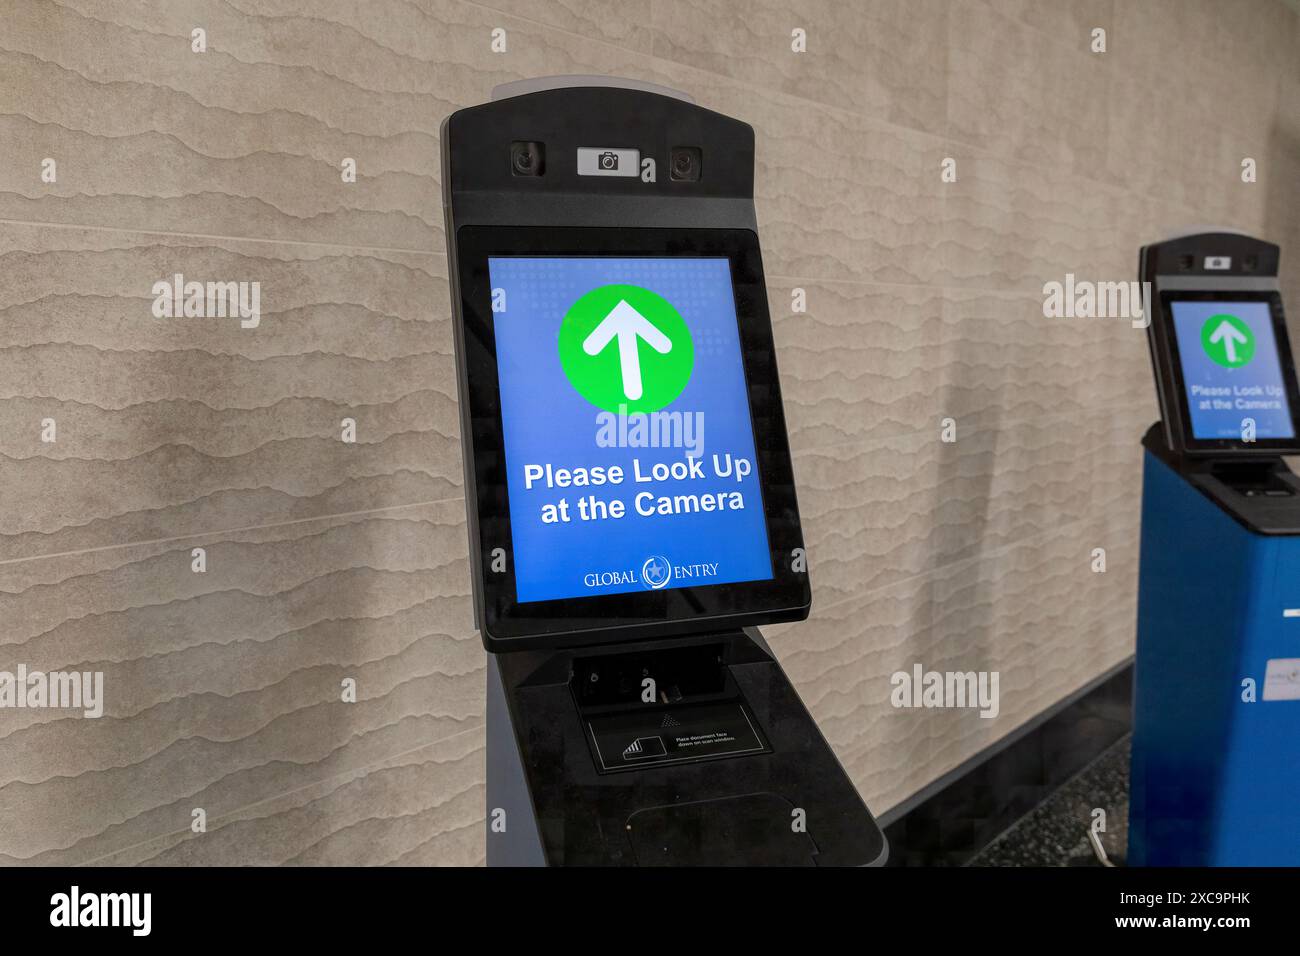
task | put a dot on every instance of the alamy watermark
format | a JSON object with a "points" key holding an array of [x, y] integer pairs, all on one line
{"points": [[651, 430], [176, 298], [55, 690], [953, 689], [1085, 299], [133, 911]]}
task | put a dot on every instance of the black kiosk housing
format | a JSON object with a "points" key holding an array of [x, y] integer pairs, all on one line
{"points": [[1247, 479], [651, 726]]}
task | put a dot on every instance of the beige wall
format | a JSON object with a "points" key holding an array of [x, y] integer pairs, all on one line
{"points": [[328, 560]]}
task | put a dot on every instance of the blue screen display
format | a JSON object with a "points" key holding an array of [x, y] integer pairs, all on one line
{"points": [[1231, 370], [629, 446]]}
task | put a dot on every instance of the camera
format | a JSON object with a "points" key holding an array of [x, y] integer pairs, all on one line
{"points": [[684, 164], [527, 159], [607, 160]]}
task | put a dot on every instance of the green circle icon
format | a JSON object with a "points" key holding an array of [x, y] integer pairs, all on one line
{"points": [[622, 346], [1228, 341]]}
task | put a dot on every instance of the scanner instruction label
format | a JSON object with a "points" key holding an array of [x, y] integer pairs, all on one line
{"points": [[674, 735]]}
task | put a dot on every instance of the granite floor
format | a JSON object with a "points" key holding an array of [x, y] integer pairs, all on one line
{"points": [[1055, 833]]}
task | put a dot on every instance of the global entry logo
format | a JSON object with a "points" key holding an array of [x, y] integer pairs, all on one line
{"points": [[656, 572]]}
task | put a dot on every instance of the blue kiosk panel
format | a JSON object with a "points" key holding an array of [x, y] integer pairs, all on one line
{"points": [[1216, 743]]}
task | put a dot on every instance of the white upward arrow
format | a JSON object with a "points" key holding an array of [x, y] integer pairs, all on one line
{"points": [[627, 325], [1229, 336]]}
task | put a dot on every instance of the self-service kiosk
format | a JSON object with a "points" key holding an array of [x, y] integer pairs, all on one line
{"points": [[629, 489], [1216, 738]]}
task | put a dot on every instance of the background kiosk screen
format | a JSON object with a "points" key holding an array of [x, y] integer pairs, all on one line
{"points": [[629, 446], [1231, 369]]}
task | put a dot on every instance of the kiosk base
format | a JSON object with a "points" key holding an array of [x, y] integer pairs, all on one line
{"points": [[724, 767], [1215, 775]]}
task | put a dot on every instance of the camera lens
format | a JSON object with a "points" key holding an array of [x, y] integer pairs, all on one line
{"points": [[527, 159], [684, 163]]}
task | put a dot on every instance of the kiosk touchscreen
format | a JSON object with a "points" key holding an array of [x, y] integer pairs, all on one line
{"points": [[1217, 680], [641, 472], [629, 453], [629, 489]]}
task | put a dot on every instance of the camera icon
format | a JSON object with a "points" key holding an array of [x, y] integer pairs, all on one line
{"points": [[607, 160]]}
